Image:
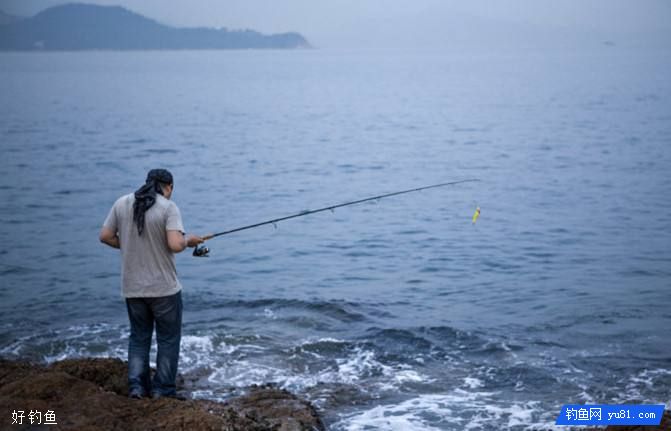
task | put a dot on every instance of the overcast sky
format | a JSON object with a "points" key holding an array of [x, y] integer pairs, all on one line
{"points": [[351, 24]]}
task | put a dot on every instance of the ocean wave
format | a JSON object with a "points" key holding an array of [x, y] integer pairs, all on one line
{"points": [[89, 340], [382, 378], [458, 409], [340, 311], [644, 385]]}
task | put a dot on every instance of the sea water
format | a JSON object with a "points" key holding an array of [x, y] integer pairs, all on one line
{"points": [[392, 315]]}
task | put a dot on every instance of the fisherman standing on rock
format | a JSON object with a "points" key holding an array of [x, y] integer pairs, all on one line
{"points": [[147, 227]]}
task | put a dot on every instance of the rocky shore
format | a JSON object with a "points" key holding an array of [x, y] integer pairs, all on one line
{"points": [[91, 394]]}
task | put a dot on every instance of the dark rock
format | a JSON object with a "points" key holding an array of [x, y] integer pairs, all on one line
{"points": [[277, 408], [91, 394], [110, 374]]}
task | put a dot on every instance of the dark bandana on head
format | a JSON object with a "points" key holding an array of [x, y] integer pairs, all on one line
{"points": [[145, 196]]}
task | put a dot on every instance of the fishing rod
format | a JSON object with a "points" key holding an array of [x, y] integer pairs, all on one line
{"points": [[202, 251]]}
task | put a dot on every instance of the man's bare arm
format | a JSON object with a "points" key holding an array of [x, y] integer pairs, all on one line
{"points": [[177, 241], [109, 237]]}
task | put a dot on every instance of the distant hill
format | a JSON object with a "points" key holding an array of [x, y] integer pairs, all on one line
{"points": [[90, 27], [6, 18]]}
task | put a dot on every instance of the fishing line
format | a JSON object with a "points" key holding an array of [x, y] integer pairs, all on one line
{"points": [[203, 251]]}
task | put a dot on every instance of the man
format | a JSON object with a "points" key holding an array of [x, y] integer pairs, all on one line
{"points": [[147, 227]]}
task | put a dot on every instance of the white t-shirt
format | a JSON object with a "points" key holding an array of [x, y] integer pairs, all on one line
{"points": [[147, 263]]}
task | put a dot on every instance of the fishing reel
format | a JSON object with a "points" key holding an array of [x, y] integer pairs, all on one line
{"points": [[201, 251]]}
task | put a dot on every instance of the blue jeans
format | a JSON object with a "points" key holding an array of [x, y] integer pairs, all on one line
{"points": [[166, 311]]}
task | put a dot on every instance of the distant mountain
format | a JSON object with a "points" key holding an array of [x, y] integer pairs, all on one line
{"points": [[90, 27], [6, 18]]}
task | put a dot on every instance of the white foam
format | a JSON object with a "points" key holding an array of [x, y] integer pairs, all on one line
{"points": [[407, 415], [473, 382], [518, 415], [195, 350], [97, 340], [392, 418], [362, 363], [86, 330], [242, 373], [644, 381], [458, 409], [404, 376], [14, 348], [359, 365], [269, 314], [195, 342], [204, 394], [584, 395]]}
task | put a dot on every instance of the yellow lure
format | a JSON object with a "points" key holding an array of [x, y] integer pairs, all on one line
{"points": [[476, 215]]}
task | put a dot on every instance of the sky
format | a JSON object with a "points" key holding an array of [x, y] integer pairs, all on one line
{"points": [[352, 24]]}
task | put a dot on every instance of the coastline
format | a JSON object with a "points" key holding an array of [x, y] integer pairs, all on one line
{"points": [[92, 394]]}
